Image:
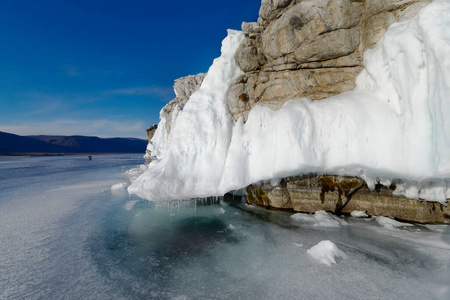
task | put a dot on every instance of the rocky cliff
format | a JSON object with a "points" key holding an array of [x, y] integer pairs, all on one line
{"points": [[310, 49], [315, 49]]}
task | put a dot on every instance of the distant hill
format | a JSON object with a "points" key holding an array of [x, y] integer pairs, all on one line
{"points": [[12, 144]]}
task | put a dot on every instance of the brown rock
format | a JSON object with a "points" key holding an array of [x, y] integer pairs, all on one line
{"points": [[273, 89], [310, 193], [309, 48], [150, 132], [306, 23]]}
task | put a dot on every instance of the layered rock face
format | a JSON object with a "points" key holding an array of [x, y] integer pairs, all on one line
{"points": [[310, 49], [338, 194]]}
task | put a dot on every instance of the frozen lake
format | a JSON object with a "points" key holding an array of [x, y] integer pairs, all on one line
{"points": [[66, 234]]}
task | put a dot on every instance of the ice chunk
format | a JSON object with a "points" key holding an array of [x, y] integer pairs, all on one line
{"points": [[358, 214], [391, 223], [325, 252], [319, 219], [129, 205], [118, 186]]}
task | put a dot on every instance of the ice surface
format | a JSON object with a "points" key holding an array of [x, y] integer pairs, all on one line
{"points": [[64, 234], [394, 125], [50, 208], [325, 252]]}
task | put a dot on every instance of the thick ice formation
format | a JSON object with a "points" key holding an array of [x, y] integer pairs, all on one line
{"points": [[196, 149], [394, 125]]}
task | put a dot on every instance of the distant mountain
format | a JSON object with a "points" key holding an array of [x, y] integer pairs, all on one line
{"points": [[12, 144], [93, 144]]}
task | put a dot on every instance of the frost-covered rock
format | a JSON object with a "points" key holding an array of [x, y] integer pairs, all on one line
{"points": [[194, 154], [309, 48], [391, 128], [150, 133], [184, 87]]}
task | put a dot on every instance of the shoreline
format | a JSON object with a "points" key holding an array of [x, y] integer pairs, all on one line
{"points": [[61, 154]]}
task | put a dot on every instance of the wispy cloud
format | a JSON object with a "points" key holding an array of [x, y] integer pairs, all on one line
{"points": [[39, 103], [42, 104], [71, 70], [101, 127], [156, 91]]}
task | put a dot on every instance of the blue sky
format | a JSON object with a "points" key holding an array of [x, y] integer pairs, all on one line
{"points": [[104, 68]]}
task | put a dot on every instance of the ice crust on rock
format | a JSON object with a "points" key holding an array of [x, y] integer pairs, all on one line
{"points": [[325, 252], [394, 125], [198, 143]]}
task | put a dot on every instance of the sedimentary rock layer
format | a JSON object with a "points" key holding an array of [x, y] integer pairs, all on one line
{"points": [[338, 194]]}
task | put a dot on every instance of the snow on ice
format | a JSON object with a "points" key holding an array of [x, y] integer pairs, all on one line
{"points": [[393, 125], [391, 223], [359, 214], [325, 252], [318, 219]]}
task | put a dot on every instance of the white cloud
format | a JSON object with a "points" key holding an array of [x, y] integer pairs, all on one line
{"points": [[146, 90], [101, 127]]}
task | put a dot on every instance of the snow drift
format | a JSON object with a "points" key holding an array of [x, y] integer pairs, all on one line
{"points": [[325, 252], [394, 125]]}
